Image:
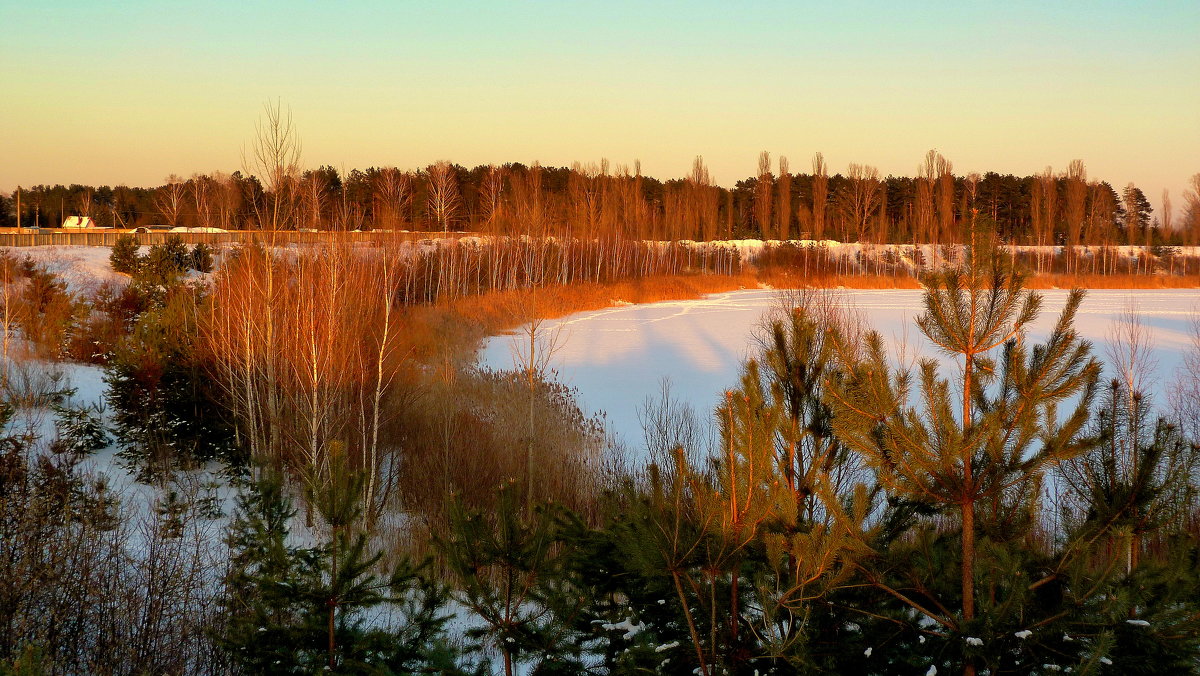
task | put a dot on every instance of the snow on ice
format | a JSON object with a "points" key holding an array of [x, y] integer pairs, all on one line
{"points": [[617, 357]]}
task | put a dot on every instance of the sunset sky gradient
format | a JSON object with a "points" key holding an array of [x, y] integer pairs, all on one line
{"points": [[107, 94]]}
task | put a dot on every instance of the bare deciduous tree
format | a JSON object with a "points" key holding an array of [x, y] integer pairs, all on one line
{"points": [[169, 199], [313, 187], [1076, 203], [783, 213], [861, 197], [444, 198], [202, 199], [1192, 214], [926, 175], [274, 157], [490, 193], [764, 195], [945, 198], [393, 195], [820, 195]]}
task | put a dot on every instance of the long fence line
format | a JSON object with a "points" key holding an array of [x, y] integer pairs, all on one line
{"points": [[109, 237]]}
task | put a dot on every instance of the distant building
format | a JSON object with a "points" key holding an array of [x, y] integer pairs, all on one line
{"points": [[76, 222]]}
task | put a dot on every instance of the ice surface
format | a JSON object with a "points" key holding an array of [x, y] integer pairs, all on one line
{"points": [[618, 356]]}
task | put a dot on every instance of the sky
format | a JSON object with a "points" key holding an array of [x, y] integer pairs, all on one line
{"points": [[111, 93]]}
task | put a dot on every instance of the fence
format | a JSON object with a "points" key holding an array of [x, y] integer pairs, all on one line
{"points": [[11, 237]]}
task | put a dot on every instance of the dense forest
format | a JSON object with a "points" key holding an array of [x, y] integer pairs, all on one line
{"points": [[934, 206]]}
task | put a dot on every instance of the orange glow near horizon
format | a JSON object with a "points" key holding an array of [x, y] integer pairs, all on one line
{"points": [[1014, 89]]}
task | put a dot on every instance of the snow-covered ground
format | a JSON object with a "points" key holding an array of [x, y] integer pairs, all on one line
{"points": [[617, 357], [83, 268]]}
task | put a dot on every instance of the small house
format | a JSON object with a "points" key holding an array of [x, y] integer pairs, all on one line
{"points": [[77, 222]]}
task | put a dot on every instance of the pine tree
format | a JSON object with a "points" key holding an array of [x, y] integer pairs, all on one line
{"points": [[300, 609], [124, 256], [987, 442], [202, 258], [1138, 484], [80, 430], [509, 571]]}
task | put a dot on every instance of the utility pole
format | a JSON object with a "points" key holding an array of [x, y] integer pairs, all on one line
{"points": [[18, 207]]}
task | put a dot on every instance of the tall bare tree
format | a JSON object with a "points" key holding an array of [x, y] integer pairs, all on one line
{"points": [[491, 190], [703, 201], [783, 212], [444, 198], [170, 198], [945, 198], [227, 199], [926, 175], [820, 195], [1168, 220], [860, 198], [1075, 208], [1192, 211], [393, 195], [83, 202], [201, 187], [274, 158], [764, 195], [313, 188]]}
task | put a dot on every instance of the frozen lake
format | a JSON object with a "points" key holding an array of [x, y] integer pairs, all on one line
{"points": [[617, 357]]}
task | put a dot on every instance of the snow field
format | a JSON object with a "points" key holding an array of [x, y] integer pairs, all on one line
{"points": [[618, 357]]}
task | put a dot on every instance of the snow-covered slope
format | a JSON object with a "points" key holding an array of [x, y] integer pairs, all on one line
{"points": [[83, 268]]}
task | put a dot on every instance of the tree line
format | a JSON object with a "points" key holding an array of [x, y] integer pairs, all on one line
{"points": [[934, 206]]}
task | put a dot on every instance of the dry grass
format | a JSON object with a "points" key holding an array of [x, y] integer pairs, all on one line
{"points": [[1060, 281], [793, 281]]}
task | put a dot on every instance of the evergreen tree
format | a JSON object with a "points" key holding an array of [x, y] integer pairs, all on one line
{"points": [[164, 411], [510, 572], [1136, 489], [986, 445], [80, 430], [202, 258], [125, 257], [165, 263], [295, 610]]}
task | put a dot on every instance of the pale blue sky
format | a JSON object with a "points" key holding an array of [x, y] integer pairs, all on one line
{"points": [[103, 93]]}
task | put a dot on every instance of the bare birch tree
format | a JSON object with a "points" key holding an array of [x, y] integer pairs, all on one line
{"points": [[861, 197], [491, 191], [274, 158], [393, 195], [170, 199], [202, 199], [444, 198]]}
